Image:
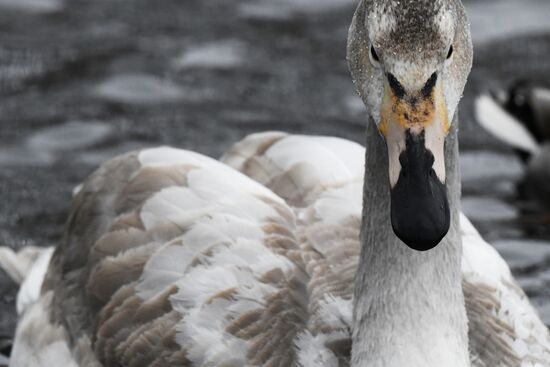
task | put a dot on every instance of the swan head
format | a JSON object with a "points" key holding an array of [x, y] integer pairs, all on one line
{"points": [[409, 61]]}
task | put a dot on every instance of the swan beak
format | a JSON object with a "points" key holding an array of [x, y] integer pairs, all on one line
{"points": [[414, 127]]}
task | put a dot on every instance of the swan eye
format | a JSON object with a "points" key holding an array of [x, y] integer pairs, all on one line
{"points": [[450, 53], [374, 56]]}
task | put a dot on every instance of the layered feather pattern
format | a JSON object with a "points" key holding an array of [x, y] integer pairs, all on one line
{"points": [[171, 258]]}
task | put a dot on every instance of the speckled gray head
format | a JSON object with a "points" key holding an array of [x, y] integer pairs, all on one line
{"points": [[409, 60]]}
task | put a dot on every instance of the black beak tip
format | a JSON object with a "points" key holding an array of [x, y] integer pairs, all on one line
{"points": [[423, 239], [420, 219], [422, 227]]}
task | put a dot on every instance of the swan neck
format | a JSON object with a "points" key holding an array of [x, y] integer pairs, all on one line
{"points": [[408, 307]]}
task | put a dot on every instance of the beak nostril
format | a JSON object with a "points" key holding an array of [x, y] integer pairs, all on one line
{"points": [[397, 88], [429, 86]]}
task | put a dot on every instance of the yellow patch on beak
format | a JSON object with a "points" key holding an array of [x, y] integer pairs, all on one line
{"points": [[415, 113]]}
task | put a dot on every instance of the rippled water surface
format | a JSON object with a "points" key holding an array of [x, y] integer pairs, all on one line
{"points": [[82, 81]]}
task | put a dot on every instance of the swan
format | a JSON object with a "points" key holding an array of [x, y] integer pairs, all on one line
{"points": [[292, 250], [521, 119]]}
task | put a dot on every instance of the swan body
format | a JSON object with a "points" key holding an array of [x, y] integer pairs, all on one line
{"points": [[268, 258], [185, 261]]}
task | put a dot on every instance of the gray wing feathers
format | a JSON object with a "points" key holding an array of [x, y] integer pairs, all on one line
{"points": [[487, 334], [91, 214], [145, 234], [328, 250]]}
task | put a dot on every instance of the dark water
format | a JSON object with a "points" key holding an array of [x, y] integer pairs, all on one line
{"points": [[81, 81]]}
